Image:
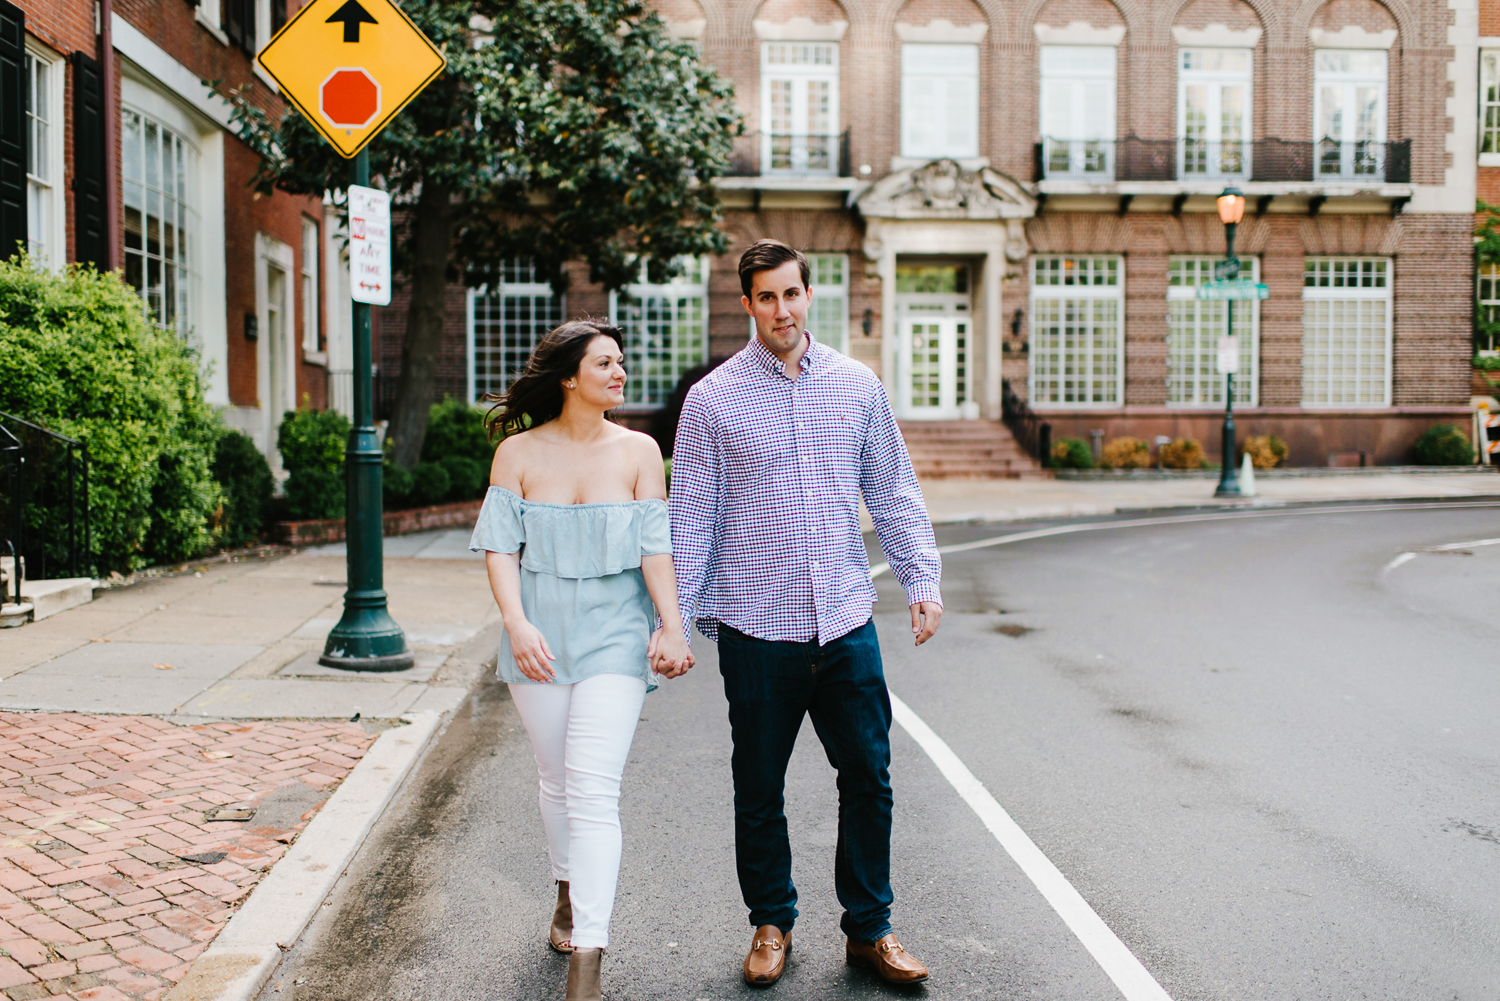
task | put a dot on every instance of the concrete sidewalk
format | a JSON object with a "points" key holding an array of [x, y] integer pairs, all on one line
{"points": [[950, 501], [240, 640]]}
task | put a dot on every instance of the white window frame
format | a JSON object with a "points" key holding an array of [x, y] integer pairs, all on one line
{"points": [[1207, 319], [953, 68], [1487, 294], [687, 292], [828, 317], [276, 358], [1352, 282], [1489, 107], [799, 68], [1219, 161], [518, 281], [1079, 74], [46, 200], [1348, 156], [1086, 285], [187, 313], [308, 292]]}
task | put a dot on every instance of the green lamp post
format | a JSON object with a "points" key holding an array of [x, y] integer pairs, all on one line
{"points": [[366, 638], [1231, 211]]}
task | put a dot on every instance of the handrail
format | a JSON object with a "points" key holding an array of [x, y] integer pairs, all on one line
{"points": [[1031, 432], [33, 504]]}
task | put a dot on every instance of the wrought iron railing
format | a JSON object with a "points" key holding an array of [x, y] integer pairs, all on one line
{"points": [[787, 154], [1031, 432], [44, 504], [1136, 159]]}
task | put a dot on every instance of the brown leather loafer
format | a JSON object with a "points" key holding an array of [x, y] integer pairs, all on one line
{"points": [[766, 960], [560, 934], [889, 961]]}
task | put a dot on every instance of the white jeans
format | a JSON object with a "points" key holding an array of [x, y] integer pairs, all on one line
{"points": [[581, 734]]}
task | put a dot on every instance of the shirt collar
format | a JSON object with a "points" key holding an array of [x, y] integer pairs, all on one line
{"points": [[766, 358]]}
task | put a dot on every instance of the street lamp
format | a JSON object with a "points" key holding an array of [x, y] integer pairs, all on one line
{"points": [[1231, 211]]}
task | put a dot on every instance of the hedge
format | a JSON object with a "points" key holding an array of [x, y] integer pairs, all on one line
{"points": [[78, 356]]}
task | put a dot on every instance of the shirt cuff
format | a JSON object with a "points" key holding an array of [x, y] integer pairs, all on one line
{"points": [[924, 590]]}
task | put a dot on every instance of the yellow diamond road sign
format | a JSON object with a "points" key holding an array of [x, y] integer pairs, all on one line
{"points": [[349, 66]]}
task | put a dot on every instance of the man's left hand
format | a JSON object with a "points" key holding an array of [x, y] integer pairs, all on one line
{"points": [[924, 620]]}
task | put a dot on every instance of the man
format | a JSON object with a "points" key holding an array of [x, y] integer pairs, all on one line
{"points": [[773, 451]]}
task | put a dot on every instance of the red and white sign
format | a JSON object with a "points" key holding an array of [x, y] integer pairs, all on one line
{"points": [[370, 245]]}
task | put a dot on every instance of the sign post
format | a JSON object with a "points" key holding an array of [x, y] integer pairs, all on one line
{"points": [[349, 66]]}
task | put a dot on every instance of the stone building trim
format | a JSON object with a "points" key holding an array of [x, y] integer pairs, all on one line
{"points": [[941, 30], [799, 29], [1079, 33], [1217, 36], [131, 43], [1351, 36]]}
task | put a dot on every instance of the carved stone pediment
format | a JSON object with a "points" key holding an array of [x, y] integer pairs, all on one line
{"points": [[943, 189]]}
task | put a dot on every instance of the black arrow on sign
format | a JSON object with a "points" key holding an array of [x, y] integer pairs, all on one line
{"points": [[352, 15]]}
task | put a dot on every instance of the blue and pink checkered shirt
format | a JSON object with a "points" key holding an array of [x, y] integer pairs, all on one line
{"points": [[767, 474]]}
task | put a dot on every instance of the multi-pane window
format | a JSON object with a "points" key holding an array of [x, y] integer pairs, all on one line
{"points": [[310, 342], [1346, 331], [1194, 329], [1213, 112], [505, 325], [1488, 291], [158, 168], [43, 187], [1489, 101], [939, 101], [1078, 110], [800, 107], [1349, 112], [829, 317], [666, 332], [1077, 330]]}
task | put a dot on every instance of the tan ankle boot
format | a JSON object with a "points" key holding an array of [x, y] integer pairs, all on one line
{"points": [[561, 932], [583, 975]]}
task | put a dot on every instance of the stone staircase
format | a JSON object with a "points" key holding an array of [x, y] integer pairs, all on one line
{"points": [[982, 449]]}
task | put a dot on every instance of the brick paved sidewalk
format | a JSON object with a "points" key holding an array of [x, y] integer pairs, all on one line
{"points": [[114, 875]]}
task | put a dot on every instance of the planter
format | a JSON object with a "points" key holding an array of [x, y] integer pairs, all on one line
{"points": [[417, 519]]}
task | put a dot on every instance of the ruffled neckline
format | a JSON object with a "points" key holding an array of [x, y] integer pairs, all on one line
{"points": [[592, 504]]}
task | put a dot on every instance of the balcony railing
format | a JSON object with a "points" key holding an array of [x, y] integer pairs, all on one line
{"points": [[786, 154], [1105, 161]]}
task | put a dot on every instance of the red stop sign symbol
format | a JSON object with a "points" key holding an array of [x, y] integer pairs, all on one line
{"points": [[349, 98]]}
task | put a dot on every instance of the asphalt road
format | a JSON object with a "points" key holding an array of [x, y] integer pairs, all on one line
{"points": [[1264, 755]]}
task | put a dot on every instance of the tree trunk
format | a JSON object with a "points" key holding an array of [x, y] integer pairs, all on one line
{"points": [[432, 230]]}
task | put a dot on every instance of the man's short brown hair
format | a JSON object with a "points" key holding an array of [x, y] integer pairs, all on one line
{"points": [[768, 255]]}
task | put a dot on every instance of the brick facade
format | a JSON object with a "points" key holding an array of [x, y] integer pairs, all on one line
{"points": [[1420, 218]]}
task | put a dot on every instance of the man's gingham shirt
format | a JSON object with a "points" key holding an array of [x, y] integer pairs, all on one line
{"points": [[767, 474]]}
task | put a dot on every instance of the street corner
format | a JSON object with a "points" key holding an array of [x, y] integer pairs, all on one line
{"points": [[129, 841]]}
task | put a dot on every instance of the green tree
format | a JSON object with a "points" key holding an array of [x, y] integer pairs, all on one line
{"points": [[562, 130]]}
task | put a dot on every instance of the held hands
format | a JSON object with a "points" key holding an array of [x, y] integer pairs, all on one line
{"points": [[669, 653], [924, 620], [531, 651]]}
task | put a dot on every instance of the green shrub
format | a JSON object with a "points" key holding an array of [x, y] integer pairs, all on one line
{"points": [[1182, 453], [430, 484], [1443, 445], [456, 429], [312, 444], [1266, 451], [1072, 453], [1126, 453], [245, 478], [78, 356], [467, 477], [1487, 363], [395, 484]]}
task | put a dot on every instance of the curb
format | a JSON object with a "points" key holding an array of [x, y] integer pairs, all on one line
{"points": [[1069, 511], [241, 960]]}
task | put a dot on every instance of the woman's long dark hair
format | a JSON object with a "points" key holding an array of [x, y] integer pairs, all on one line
{"points": [[536, 396]]}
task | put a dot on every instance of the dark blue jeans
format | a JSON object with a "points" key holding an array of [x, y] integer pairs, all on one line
{"points": [[770, 687]]}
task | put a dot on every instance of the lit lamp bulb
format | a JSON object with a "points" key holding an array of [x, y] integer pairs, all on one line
{"points": [[1231, 206]]}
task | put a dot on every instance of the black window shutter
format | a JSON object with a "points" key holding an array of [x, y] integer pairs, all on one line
{"points": [[90, 224], [239, 24], [12, 128]]}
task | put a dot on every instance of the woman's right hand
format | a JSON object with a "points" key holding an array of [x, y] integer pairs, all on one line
{"points": [[531, 651]]}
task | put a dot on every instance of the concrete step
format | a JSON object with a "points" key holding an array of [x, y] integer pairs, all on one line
{"points": [[968, 450], [48, 597]]}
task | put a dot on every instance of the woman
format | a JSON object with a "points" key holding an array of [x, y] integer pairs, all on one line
{"points": [[578, 549]]}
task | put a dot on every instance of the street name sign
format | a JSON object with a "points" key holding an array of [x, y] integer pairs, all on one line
{"points": [[369, 245], [1236, 288], [349, 66]]}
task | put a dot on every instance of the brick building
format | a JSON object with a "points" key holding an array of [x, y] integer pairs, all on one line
{"points": [[113, 151], [1003, 194]]}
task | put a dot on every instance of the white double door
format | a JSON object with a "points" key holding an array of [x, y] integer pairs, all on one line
{"points": [[933, 362]]}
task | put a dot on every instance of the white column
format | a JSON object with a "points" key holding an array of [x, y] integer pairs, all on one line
{"points": [[994, 318]]}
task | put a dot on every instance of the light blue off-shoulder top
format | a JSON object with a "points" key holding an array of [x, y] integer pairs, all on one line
{"points": [[581, 581]]}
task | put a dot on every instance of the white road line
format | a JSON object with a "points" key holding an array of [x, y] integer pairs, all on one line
{"points": [[1393, 564], [1180, 519], [1412, 554], [1118, 962]]}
